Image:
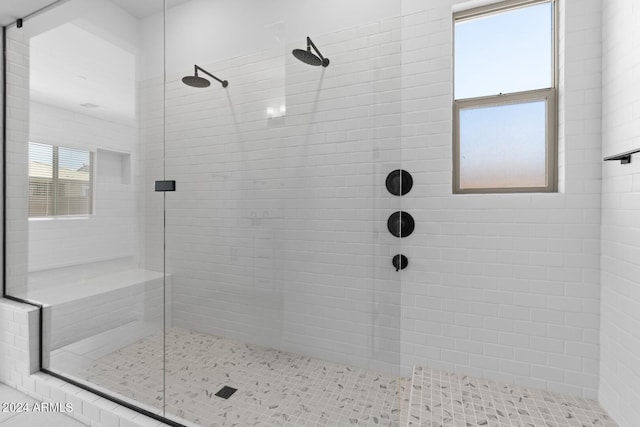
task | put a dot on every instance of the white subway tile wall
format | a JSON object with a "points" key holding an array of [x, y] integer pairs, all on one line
{"points": [[277, 232], [17, 137], [504, 287], [19, 328], [620, 322], [277, 235]]}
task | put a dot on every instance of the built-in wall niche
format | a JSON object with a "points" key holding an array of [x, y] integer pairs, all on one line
{"points": [[114, 167]]}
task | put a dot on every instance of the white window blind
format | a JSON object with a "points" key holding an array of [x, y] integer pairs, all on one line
{"points": [[60, 181]]}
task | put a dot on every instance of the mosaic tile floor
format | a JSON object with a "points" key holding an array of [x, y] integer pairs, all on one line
{"points": [[275, 388], [442, 399]]}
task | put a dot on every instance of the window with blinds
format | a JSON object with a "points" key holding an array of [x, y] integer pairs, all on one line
{"points": [[60, 181]]}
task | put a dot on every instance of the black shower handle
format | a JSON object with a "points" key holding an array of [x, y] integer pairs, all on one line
{"points": [[400, 262]]}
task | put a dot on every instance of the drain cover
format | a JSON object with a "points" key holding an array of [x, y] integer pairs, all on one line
{"points": [[226, 392]]}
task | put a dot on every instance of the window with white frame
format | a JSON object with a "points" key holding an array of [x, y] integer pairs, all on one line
{"points": [[504, 108], [60, 181]]}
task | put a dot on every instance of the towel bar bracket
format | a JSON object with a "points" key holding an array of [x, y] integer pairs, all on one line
{"points": [[625, 158]]}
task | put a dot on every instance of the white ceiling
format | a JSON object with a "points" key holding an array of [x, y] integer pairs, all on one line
{"points": [[144, 8], [70, 67], [77, 70], [10, 10]]}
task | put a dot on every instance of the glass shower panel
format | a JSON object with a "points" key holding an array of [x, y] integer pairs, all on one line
{"points": [[85, 228], [285, 303]]}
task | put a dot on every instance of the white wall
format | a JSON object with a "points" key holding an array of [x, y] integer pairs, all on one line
{"points": [[110, 231], [620, 322], [1, 162], [277, 231], [203, 31], [502, 286], [17, 128], [19, 338]]}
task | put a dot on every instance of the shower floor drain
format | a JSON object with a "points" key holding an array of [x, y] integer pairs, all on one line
{"points": [[226, 392]]}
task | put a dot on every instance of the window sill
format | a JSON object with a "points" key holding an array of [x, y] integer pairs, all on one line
{"points": [[60, 218]]}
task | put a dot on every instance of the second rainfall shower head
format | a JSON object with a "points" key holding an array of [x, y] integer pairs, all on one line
{"points": [[197, 81], [310, 58]]}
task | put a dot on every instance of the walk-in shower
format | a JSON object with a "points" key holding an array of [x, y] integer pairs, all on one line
{"points": [[222, 250], [292, 250]]}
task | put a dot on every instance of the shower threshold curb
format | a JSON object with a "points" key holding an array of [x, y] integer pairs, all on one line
{"points": [[87, 406]]}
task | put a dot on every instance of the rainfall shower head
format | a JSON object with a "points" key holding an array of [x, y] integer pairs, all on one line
{"points": [[309, 58], [197, 81]]}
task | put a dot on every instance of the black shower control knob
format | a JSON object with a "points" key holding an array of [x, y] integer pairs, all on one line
{"points": [[401, 224], [400, 262], [399, 182]]}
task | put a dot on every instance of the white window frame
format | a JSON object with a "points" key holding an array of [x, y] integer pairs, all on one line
{"points": [[548, 95]]}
